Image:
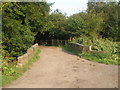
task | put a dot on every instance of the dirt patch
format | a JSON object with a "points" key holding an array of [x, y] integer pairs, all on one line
{"points": [[59, 69]]}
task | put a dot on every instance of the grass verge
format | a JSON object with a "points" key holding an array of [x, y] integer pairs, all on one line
{"points": [[105, 58], [18, 71]]}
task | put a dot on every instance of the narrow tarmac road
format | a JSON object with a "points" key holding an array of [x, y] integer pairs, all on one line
{"points": [[59, 69]]}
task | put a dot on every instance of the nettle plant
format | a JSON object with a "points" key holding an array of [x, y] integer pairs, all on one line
{"points": [[7, 69], [105, 45]]}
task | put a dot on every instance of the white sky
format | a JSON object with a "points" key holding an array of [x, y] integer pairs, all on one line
{"points": [[69, 6]]}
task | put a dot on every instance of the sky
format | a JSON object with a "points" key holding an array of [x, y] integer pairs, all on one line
{"points": [[69, 7]]}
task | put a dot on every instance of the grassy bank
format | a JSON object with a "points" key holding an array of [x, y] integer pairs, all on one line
{"points": [[13, 72], [104, 58]]}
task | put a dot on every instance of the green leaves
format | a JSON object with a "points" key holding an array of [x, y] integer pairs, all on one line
{"points": [[54, 27], [8, 71], [21, 22], [24, 22], [104, 19], [76, 25], [105, 45]]}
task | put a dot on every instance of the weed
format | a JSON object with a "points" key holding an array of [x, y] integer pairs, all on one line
{"points": [[106, 58], [11, 72]]}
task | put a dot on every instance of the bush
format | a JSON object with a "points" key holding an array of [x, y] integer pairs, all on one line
{"points": [[83, 40], [17, 35], [7, 70], [104, 45], [11, 72], [19, 41], [98, 44], [110, 54]]}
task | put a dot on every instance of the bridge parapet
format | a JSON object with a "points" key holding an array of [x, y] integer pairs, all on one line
{"points": [[84, 48], [80, 47], [30, 52]]}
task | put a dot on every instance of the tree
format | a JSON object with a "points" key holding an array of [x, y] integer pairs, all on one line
{"points": [[109, 12], [21, 22], [76, 26], [54, 27]]}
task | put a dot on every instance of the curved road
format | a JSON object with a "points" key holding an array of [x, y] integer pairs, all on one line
{"points": [[59, 69]]}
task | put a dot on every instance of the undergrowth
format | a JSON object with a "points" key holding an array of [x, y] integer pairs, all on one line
{"points": [[12, 72], [105, 58]]}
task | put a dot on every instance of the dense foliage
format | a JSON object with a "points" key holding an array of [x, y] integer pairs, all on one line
{"points": [[25, 23], [102, 32], [11, 72], [21, 22]]}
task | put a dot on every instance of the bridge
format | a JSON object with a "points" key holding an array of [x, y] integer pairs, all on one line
{"points": [[57, 68]]}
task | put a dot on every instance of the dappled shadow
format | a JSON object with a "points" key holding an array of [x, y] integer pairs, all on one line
{"points": [[51, 46], [69, 52]]}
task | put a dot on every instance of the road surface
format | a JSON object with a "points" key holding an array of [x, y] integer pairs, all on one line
{"points": [[59, 69]]}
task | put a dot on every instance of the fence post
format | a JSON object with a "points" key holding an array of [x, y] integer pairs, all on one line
{"points": [[52, 41], [65, 42], [57, 42], [46, 42], [90, 48]]}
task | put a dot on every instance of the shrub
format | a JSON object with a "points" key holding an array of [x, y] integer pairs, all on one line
{"points": [[11, 72], [83, 40], [104, 45], [99, 44], [110, 54], [8, 70]]}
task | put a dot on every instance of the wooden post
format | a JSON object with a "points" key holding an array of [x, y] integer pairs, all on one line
{"points": [[52, 41], [90, 48], [57, 42], [65, 42], [46, 42], [62, 42], [70, 38]]}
